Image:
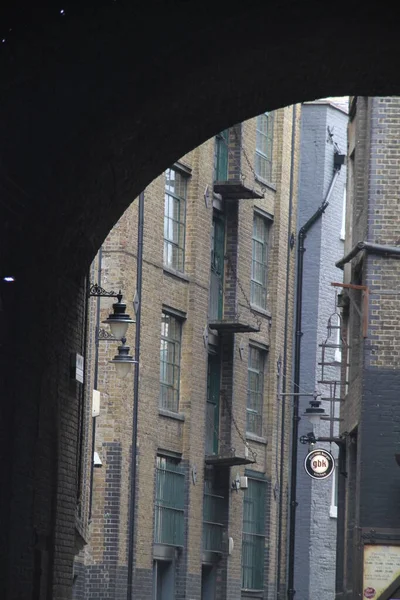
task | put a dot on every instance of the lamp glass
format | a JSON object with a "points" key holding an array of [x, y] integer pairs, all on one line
{"points": [[314, 419], [123, 368], [118, 329]]}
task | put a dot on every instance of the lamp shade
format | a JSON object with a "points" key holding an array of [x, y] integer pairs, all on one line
{"points": [[118, 328], [122, 368], [118, 320], [123, 361], [314, 412]]}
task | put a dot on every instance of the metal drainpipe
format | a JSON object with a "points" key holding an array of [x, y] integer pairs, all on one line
{"points": [[95, 378], [286, 329], [132, 505], [388, 251], [296, 383]]}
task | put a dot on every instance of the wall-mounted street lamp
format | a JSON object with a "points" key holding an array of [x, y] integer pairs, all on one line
{"points": [[123, 361], [119, 322], [314, 413]]}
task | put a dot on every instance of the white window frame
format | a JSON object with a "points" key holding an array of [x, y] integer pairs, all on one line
{"points": [[333, 509], [338, 342], [343, 228], [264, 151]]}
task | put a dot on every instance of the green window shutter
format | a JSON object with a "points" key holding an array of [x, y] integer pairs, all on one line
{"points": [[213, 511], [221, 156], [213, 394], [217, 268], [253, 542], [169, 502]]}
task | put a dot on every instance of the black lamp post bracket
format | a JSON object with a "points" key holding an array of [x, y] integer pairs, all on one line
{"points": [[96, 290]]}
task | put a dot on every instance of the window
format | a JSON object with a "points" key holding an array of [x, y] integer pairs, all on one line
{"points": [[174, 219], [217, 268], [338, 341], [213, 514], [213, 393], [221, 156], [334, 496], [169, 505], [264, 141], [255, 385], [343, 228], [258, 292], [253, 535], [170, 361]]}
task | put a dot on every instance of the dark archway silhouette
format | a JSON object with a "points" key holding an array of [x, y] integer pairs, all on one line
{"points": [[95, 102]]}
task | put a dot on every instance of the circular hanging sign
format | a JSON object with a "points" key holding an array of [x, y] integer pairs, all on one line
{"points": [[319, 464]]}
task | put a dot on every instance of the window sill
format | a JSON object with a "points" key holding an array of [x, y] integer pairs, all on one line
{"points": [[261, 311], [252, 594], [333, 512], [171, 415], [177, 274], [265, 183], [256, 438]]}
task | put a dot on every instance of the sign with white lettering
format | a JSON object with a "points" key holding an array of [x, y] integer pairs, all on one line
{"points": [[319, 464]]}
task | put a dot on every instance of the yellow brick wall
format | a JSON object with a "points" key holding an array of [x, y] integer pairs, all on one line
{"points": [[189, 294]]}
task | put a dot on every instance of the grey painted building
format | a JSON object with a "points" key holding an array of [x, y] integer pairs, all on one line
{"points": [[323, 128]]}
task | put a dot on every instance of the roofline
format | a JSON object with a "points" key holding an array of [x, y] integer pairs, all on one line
{"points": [[328, 103]]}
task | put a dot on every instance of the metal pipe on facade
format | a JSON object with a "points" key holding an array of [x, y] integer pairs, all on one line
{"points": [[389, 251], [296, 381], [132, 504], [95, 379], [285, 353]]}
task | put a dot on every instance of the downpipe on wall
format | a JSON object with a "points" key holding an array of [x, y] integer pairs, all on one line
{"points": [[285, 361], [132, 503]]}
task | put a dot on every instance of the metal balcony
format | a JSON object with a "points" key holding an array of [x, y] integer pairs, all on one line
{"points": [[235, 189], [234, 325]]}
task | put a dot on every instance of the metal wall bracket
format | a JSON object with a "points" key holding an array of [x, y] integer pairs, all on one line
{"points": [[365, 312]]}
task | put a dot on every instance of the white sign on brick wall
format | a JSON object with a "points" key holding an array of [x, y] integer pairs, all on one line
{"points": [[77, 367]]}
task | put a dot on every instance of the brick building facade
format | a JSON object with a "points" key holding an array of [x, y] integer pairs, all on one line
{"points": [[216, 321], [84, 129], [369, 487]]}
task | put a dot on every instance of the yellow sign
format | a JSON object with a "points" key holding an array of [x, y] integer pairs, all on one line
{"points": [[381, 568]]}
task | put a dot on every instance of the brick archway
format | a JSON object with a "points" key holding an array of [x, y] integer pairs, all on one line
{"points": [[95, 103]]}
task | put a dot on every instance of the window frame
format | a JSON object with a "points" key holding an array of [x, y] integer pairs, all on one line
{"points": [[254, 283], [264, 155], [262, 354], [177, 352], [213, 514], [256, 479], [333, 508], [339, 342], [169, 242], [221, 141], [163, 504], [343, 225]]}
